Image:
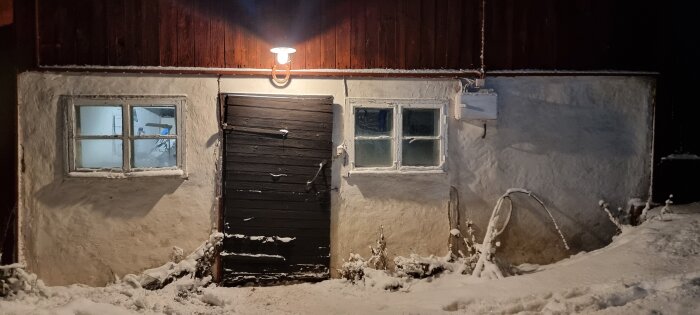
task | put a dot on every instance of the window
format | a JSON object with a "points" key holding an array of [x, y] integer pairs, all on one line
{"points": [[398, 135], [124, 136]]}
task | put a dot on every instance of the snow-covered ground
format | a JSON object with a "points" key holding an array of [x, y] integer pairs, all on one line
{"points": [[650, 269]]}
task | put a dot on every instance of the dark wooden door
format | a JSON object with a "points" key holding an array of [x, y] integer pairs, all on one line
{"points": [[276, 186]]}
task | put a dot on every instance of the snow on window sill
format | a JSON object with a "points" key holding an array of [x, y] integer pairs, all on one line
{"points": [[140, 173]]}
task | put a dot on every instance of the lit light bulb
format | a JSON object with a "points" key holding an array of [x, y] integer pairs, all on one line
{"points": [[283, 54], [282, 58]]}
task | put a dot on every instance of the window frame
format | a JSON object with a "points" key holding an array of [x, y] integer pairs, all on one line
{"points": [[126, 103], [397, 105]]}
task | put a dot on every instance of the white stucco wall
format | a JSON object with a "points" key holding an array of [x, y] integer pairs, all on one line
{"points": [[89, 229], [571, 140]]}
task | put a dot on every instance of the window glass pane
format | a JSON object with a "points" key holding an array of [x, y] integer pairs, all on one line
{"points": [[373, 121], [373, 153], [153, 120], [98, 153], [98, 120], [154, 153], [420, 152], [421, 122]]}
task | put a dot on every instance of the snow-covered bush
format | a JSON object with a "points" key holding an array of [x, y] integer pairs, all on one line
{"points": [[353, 269], [15, 280], [198, 265], [419, 267], [471, 254], [378, 260]]}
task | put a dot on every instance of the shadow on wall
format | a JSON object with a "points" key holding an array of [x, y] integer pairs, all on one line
{"points": [[537, 126], [111, 197], [423, 188]]}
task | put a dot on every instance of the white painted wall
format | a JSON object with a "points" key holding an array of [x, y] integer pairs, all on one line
{"points": [[571, 140], [89, 229]]}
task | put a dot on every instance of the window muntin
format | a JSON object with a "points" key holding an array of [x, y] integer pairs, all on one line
{"points": [[124, 135], [398, 135]]}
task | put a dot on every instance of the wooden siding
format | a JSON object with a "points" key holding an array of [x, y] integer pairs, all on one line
{"points": [[6, 14], [352, 34], [328, 34]]}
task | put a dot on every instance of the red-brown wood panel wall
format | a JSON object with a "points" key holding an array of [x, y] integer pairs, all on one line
{"points": [[352, 34], [328, 34]]}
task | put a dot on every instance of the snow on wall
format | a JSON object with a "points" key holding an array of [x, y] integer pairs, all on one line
{"points": [[89, 229], [571, 140]]}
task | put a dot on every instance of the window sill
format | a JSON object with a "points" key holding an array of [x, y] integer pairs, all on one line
{"points": [[397, 172], [149, 173]]}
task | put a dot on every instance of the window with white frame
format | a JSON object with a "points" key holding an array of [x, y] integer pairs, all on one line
{"points": [[398, 135], [129, 136]]}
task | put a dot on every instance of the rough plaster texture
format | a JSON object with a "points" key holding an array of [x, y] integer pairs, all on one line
{"points": [[89, 229], [571, 140]]}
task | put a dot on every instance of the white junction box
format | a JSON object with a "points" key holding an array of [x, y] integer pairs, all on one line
{"points": [[481, 105]]}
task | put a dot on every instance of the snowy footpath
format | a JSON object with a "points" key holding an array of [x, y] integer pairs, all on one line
{"points": [[650, 269]]}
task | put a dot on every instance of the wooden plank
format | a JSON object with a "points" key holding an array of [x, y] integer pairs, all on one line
{"points": [[233, 203], [241, 175], [49, 41], [358, 54], [386, 53], [247, 16], [201, 21], [264, 34], [372, 31], [270, 159], [281, 231], [135, 27], [303, 105], [268, 150], [441, 20], [217, 34], [185, 34], [453, 34], [270, 187], [289, 114], [238, 138], [83, 31], [228, 25], [297, 126], [318, 223], [238, 213], [6, 12], [470, 38], [296, 134], [116, 34], [309, 171], [343, 29], [413, 33], [313, 43], [328, 22], [149, 22], [167, 33], [427, 35], [401, 35]]}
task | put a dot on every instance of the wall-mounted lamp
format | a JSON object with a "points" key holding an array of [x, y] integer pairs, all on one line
{"points": [[282, 59]]}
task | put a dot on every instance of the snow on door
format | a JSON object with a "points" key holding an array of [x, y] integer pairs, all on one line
{"points": [[276, 186]]}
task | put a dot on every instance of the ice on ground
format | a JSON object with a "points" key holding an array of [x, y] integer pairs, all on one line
{"points": [[650, 269]]}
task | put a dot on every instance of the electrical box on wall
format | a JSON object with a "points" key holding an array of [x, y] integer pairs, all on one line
{"points": [[481, 105]]}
